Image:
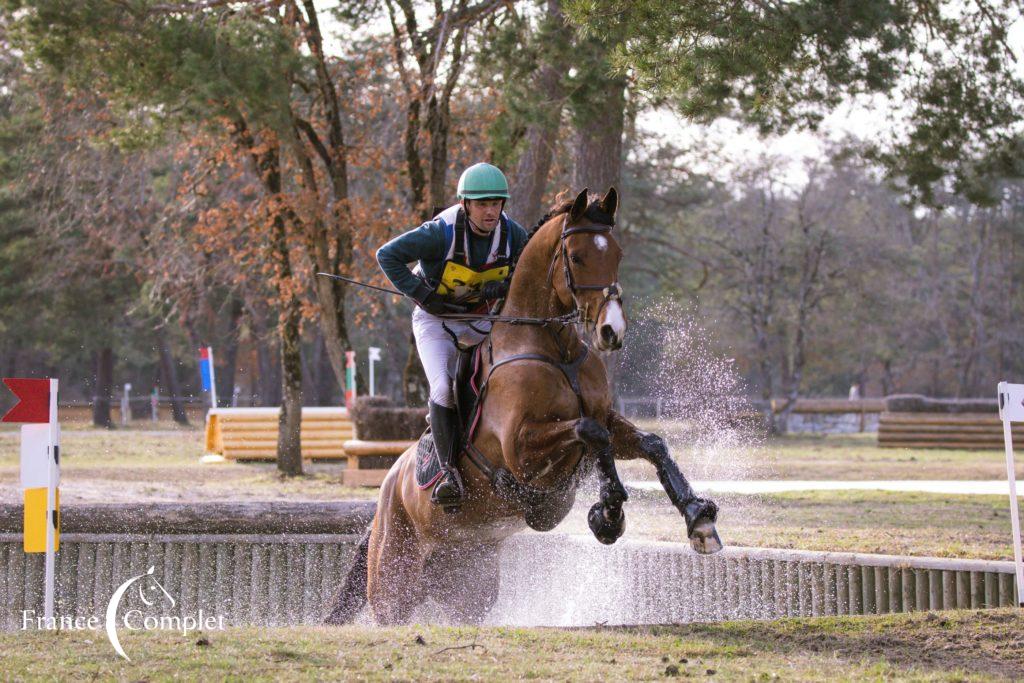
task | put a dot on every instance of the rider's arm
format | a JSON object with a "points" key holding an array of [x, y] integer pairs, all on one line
{"points": [[425, 243]]}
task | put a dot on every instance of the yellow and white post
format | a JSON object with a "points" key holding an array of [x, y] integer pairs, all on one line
{"points": [[1011, 409]]}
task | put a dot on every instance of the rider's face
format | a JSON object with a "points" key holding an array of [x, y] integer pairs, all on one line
{"points": [[483, 213]]}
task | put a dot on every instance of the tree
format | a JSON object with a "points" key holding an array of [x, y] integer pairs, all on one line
{"points": [[258, 72], [529, 59], [779, 65], [429, 59]]}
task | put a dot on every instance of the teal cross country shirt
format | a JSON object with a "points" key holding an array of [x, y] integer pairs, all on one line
{"points": [[430, 243]]}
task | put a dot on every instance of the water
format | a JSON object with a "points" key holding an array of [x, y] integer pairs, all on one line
{"points": [[705, 407]]}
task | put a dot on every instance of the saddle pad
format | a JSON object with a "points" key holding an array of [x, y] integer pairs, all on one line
{"points": [[428, 467]]}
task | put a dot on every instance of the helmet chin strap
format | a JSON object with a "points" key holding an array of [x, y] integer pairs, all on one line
{"points": [[472, 224]]}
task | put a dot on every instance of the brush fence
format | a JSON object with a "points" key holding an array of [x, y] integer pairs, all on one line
{"points": [[278, 579]]}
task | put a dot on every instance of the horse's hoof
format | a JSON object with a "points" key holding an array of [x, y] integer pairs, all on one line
{"points": [[606, 530], [704, 538]]}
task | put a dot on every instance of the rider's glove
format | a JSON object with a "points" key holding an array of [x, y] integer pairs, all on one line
{"points": [[495, 289], [435, 304]]}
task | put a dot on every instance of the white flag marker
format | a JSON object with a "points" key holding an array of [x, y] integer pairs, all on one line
{"points": [[1011, 409]]}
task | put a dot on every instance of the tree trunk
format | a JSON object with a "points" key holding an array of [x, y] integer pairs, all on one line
{"points": [[229, 356], [318, 376], [269, 380], [289, 447], [414, 379], [530, 178], [104, 359], [438, 125], [599, 114], [169, 377], [267, 161]]}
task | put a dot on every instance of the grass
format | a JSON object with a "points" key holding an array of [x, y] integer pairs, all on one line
{"points": [[856, 456], [884, 522], [826, 456], [948, 646]]}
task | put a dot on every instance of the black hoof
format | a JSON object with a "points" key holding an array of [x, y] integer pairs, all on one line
{"points": [[697, 510], [606, 530]]}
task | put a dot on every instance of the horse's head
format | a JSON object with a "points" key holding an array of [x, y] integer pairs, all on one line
{"points": [[589, 257]]}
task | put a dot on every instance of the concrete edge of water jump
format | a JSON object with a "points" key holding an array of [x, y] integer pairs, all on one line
{"points": [[828, 557], [561, 540], [269, 517], [283, 539]]}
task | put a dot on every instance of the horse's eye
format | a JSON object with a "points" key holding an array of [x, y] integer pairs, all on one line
{"points": [[575, 259]]}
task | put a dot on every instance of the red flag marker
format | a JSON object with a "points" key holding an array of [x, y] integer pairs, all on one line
{"points": [[34, 400]]}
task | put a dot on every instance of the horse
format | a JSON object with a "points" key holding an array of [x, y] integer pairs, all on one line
{"points": [[545, 424]]}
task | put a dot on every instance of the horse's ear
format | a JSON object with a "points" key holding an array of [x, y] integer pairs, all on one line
{"points": [[579, 207], [610, 202]]}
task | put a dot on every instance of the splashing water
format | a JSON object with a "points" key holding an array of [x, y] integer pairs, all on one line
{"points": [[706, 417]]}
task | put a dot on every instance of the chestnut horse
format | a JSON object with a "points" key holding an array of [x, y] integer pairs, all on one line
{"points": [[546, 422]]}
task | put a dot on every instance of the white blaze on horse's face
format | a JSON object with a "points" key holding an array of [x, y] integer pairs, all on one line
{"points": [[595, 260]]}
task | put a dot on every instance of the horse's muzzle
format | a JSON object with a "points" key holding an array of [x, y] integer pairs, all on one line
{"points": [[608, 339], [611, 328]]}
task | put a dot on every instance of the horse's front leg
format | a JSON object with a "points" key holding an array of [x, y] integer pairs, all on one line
{"points": [[606, 518], [629, 442]]}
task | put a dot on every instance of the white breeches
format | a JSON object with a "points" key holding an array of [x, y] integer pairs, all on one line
{"points": [[438, 352]]}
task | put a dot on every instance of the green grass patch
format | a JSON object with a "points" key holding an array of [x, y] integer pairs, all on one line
{"points": [[894, 523], [948, 646], [822, 456]]}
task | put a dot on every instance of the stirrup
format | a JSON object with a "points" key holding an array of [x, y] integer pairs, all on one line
{"points": [[451, 477]]}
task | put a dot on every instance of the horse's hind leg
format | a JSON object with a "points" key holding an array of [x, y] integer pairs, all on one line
{"points": [[464, 580], [395, 562], [606, 518], [700, 513]]}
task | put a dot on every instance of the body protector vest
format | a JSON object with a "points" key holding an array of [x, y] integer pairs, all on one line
{"points": [[461, 282]]}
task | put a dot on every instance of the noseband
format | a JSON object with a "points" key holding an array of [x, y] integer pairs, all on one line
{"points": [[611, 291]]}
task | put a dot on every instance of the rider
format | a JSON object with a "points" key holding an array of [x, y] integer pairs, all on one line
{"points": [[465, 254]]}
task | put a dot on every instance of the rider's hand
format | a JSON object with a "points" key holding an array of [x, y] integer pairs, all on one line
{"points": [[495, 289], [435, 304]]}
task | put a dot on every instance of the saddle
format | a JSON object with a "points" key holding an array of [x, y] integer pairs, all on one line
{"points": [[466, 387]]}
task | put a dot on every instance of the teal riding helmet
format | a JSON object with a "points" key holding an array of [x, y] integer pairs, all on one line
{"points": [[483, 181]]}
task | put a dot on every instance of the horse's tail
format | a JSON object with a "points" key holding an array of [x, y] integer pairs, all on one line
{"points": [[351, 597]]}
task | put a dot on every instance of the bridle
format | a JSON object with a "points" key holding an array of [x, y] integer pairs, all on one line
{"points": [[611, 291]]}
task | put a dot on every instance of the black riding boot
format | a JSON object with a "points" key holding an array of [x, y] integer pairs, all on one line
{"points": [[444, 426]]}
